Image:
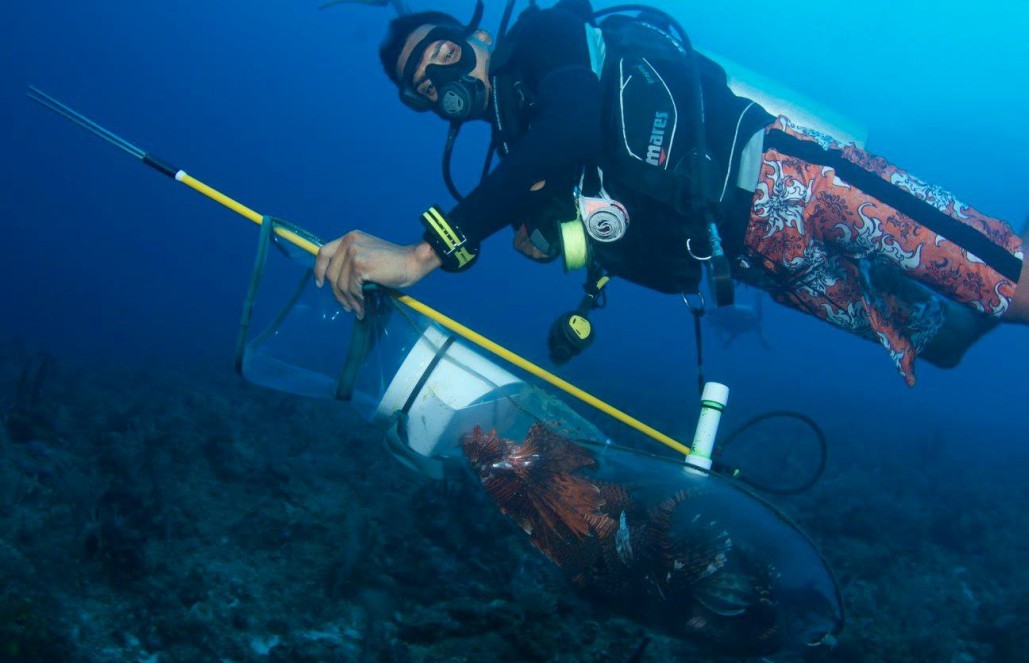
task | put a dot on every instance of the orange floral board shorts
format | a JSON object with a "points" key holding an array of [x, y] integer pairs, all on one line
{"points": [[846, 236]]}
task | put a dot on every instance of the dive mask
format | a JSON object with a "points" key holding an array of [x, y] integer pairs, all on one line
{"points": [[459, 95]]}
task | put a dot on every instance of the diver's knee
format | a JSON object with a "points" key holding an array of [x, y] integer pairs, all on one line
{"points": [[1018, 311], [961, 329], [942, 356]]}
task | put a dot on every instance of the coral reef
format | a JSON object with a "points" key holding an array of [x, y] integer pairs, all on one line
{"points": [[175, 515]]}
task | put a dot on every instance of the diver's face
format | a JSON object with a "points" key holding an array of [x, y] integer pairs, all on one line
{"points": [[444, 52]]}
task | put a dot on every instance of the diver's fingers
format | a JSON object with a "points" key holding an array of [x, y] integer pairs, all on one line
{"points": [[334, 276], [348, 272], [357, 294], [324, 257], [343, 295], [354, 273], [340, 285], [338, 269], [341, 280]]}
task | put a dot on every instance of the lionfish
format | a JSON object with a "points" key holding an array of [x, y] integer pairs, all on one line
{"points": [[657, 557]]}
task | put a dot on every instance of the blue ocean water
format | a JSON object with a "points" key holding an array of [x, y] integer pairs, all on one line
{"points": [[284, 107]]}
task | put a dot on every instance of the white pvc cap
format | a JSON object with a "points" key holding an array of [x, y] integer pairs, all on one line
{"points": [[715, 391], [707, 425]]}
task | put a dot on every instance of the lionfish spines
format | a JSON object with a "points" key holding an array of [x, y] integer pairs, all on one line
{"points": [[540, 484], [482, 447]]}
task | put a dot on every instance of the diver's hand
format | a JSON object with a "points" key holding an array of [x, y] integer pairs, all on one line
{"points": [[357, 258], [524, 245]]}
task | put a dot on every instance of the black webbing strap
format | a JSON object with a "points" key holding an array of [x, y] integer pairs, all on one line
{"points": [[366, 333], [267, 224], [427, 372], [964, 235], [697, 315]]}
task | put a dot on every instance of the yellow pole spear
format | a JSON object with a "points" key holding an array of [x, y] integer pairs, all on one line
{"points": [[312, 247]]}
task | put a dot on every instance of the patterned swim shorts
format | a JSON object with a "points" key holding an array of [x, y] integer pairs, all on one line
{"points": [[847, 237]]}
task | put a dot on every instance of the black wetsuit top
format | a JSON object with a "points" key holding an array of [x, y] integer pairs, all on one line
{"points": [[564, 130]]}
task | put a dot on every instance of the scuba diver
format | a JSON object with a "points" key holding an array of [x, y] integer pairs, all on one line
{"points": [[624, 151], [734, 321]]}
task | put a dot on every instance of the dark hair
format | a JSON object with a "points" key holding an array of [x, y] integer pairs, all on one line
{"points": [[400, 30]]}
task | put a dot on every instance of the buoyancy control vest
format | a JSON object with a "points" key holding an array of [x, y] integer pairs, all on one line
{"points": [[650, 148], [650, 142]]}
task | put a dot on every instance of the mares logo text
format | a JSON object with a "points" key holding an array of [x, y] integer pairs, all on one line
{"points": [[655, 150]]}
